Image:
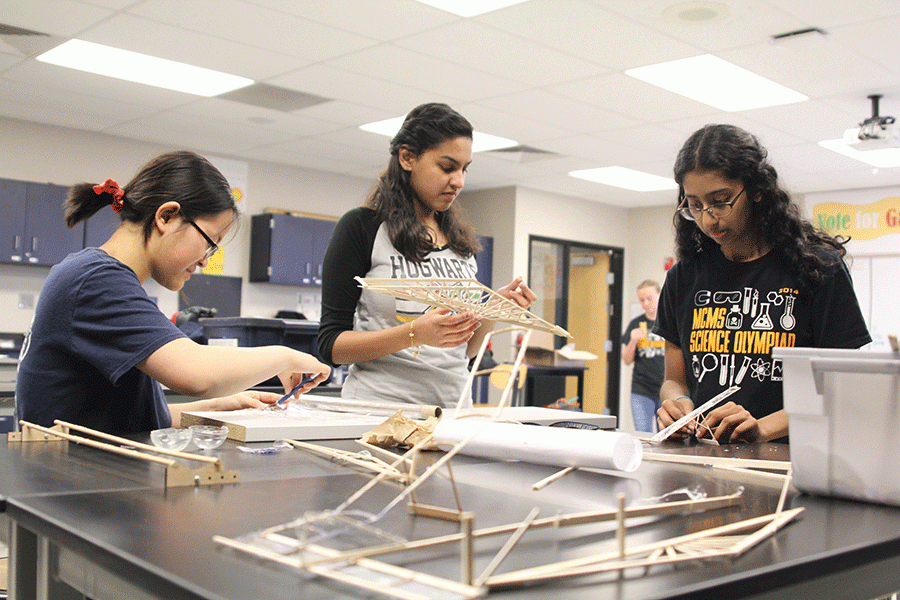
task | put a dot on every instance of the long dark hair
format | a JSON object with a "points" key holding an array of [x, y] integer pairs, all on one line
{"points": [[737, 155], [181, 176], [394, 199]]}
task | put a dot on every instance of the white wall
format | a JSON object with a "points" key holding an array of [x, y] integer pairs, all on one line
{"points": [[651, 239], [492, 213], [43, 153]]}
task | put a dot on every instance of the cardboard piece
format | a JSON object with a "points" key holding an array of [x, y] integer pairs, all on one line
{"points": [[542, 352]]}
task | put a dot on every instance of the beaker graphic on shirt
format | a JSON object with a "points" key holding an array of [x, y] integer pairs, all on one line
{"points": [[735, 318], [763, 321]]}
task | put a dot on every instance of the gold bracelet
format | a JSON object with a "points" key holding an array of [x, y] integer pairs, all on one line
{"points": [[412, 340]]}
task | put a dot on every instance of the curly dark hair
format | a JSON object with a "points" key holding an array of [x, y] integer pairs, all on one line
{"points": [[737, 155], [394, 199]]}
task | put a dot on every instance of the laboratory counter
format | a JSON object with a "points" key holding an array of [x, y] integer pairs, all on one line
{"points": [[87, 522]]}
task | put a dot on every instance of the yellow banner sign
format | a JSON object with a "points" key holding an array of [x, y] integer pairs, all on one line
{"points": [[859, 221]]}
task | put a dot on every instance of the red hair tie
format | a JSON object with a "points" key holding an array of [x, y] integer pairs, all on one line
{"points": [[112, 188]]}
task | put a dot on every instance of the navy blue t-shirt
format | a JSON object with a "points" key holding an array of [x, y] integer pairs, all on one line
{"points": [[93, 323]]}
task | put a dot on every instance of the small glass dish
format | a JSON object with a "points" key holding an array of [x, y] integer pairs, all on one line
{"points": [[171, 438], [208, 437]]}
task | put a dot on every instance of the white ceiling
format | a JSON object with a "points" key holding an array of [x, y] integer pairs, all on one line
{"points": [[547, 73]]}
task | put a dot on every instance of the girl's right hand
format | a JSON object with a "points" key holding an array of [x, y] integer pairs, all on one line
{"points": [[442, 329], [671, 411], [305, 365]]}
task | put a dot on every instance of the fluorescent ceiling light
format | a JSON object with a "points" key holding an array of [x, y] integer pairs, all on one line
{"points": [[470, 8], [626, 178], [481, 142], [141, 68], [889, 157], [388, 127], [718, 83]]}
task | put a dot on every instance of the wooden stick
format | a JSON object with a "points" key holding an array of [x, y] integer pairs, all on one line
{"points": [[747, 463], [620, 525], [376, 586], [789, 476], [750, 471], [453, 486], [513, 539], [378, 467], [456, 448], [389, 569], [587, 565], [586, 518], [435, 512], [781, 519], [102, 446], [120, 440], [381, 476], [467, 547], [379, 450], [548, 480]]}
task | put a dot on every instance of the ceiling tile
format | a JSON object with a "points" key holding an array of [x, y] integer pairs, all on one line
{"points": [[256, 27], [589, 32], [378, 19], [143, 35], [499, 53], [410, 68]]}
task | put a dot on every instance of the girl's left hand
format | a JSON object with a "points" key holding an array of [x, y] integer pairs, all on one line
{"points": [[731, 423], [247, 399], [519, 292]]}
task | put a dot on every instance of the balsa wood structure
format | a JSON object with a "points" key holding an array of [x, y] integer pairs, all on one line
{"points": [[301, 544], [211, 472], [459, 295]]}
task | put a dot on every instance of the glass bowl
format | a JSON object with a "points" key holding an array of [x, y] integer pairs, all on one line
{"points": [[208, 437], [171, 438]]}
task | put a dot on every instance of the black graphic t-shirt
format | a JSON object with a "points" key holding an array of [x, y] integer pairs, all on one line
{"points": [[727, 316], [649, 358]]}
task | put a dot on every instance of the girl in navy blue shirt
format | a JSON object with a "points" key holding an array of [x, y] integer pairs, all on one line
{"points": [[99, 347]]}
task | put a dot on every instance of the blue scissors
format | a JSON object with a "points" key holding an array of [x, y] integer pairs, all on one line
{"points": [[281, 401]]}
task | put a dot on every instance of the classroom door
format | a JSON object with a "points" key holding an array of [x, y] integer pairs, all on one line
{"points": [[588, 319], [579, 289]]}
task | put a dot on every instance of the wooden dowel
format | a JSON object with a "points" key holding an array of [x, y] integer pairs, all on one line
{"points": [[747, 463], [148, 447], [789, 476], [102, 446], [620, 525], [379, 467], [585, 518], [467, 547], [548, 480], [498, 558], [565, 568]]}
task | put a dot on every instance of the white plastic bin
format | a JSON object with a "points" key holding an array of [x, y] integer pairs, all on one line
{"points": [[844, 411]]}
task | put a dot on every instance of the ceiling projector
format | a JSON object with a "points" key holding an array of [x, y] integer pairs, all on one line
{"points": [[875, 133]]}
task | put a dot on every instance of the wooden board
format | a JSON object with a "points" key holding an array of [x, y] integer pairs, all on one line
{"points": [[268, 426]]}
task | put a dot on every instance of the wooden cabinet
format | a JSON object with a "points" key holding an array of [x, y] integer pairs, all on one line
{"points": [[288, 250], [32, 225]]}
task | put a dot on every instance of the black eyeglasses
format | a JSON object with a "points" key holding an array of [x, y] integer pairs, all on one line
{"points": [[717, 209], [213, 247]]}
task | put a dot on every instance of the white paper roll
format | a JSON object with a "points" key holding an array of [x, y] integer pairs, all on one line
{"points": [[555, 446]]}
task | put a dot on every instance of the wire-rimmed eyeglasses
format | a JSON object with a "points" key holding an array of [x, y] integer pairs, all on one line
{"points": [[717, 209], [212, 246]]}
